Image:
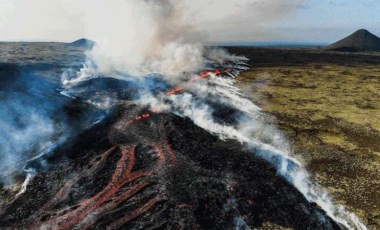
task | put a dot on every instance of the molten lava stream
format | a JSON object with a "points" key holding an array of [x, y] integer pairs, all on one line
{"points": [[205, 74], [120, 177], [135, 213], [88, 211]]}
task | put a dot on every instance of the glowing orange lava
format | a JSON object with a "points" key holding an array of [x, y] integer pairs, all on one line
{"points": [[118, 190], [204, 74]]}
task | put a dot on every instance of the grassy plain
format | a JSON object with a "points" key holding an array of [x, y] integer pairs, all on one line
{"points": [[328, 105]]}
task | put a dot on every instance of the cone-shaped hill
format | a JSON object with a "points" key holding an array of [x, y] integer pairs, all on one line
{"points": [[360, 41], [82, 43]]}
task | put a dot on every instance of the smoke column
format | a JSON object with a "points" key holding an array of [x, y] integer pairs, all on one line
{"points": [[151, 38]]}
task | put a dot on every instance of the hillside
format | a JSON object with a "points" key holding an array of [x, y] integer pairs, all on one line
{"points": [[360, 41], [82, 43]]}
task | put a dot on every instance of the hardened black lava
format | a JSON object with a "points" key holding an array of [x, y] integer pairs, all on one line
{"points": [[158, 172]]}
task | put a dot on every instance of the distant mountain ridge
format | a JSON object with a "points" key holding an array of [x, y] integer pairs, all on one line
{"points": [[83, 42], [360, 41]]}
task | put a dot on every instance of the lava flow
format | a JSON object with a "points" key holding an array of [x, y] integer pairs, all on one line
{"points": [[179, 89], [125, 183], [204, 74], [135, 179]]}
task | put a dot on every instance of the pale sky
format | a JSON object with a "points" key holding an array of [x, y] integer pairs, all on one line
{"points": [[217, 20]]}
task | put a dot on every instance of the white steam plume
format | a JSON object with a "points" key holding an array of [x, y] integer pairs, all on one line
{"points": [[17, 141], [150, 36], [163, 36]]}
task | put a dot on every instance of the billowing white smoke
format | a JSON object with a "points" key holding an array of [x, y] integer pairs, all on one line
{"points": [[153, 39], [139, 37], [24, 130]]}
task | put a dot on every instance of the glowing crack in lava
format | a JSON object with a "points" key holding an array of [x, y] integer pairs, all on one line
{"points": [[125, 183], [205, 74]]}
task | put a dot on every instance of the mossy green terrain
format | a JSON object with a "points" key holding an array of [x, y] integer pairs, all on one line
{"points": [[329, 107]]}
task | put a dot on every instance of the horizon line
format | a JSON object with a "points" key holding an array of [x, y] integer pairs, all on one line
{"points": [[216, 43]]}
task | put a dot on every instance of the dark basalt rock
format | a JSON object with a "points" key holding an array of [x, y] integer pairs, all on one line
{"points": [[193, 181]]}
